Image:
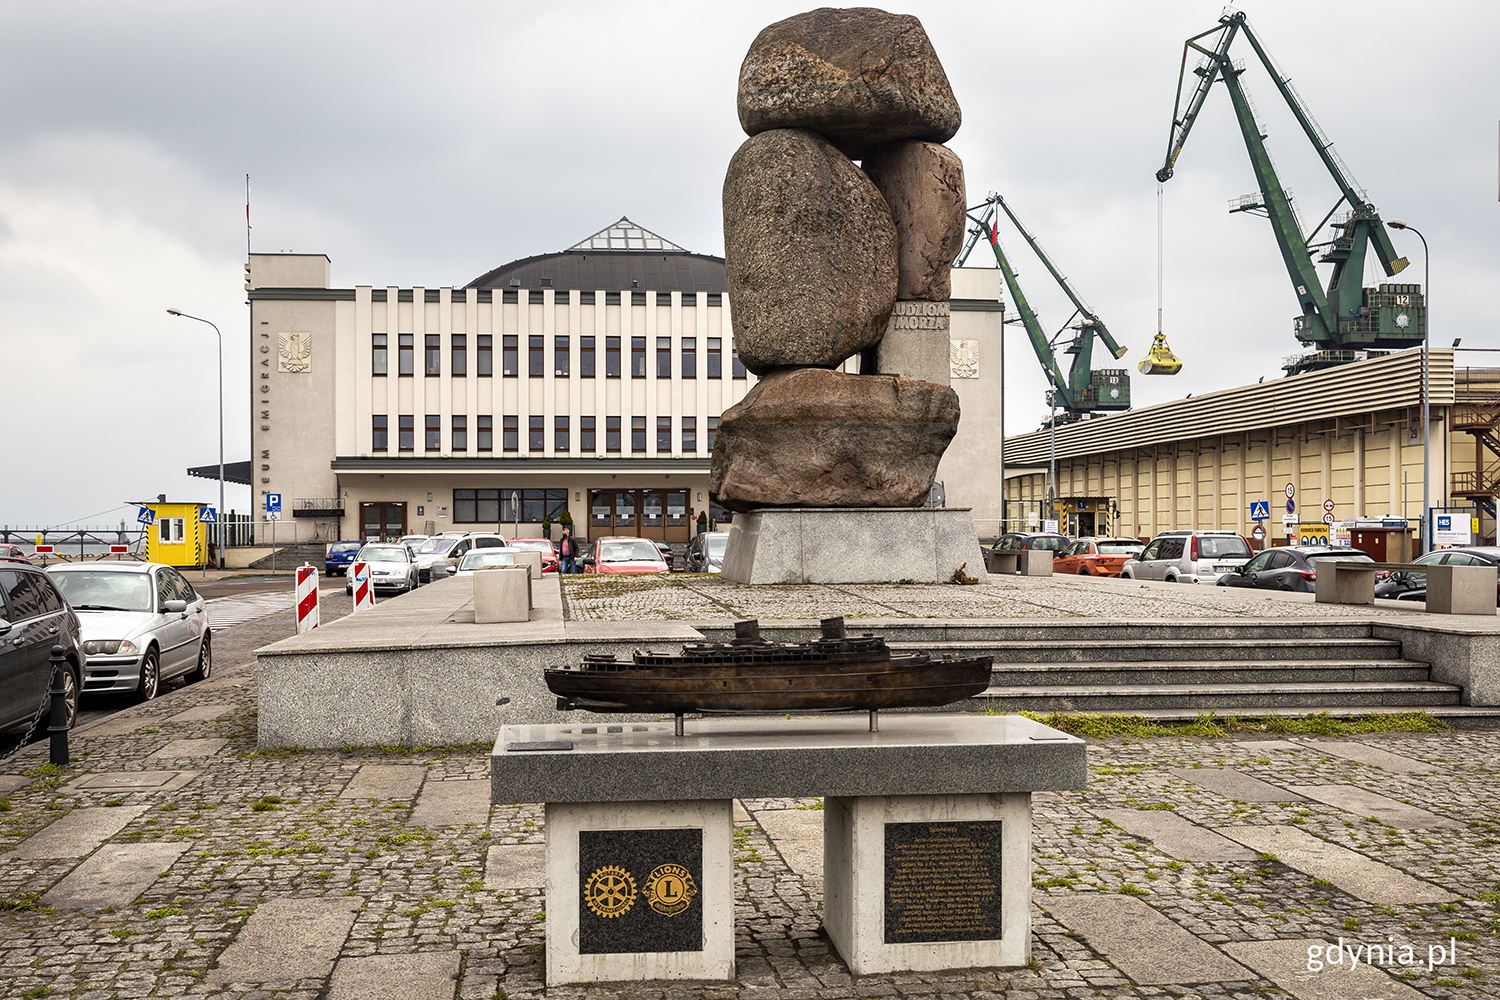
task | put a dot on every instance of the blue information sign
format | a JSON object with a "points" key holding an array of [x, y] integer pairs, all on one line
{"points": [[146, 516], [207, 515], [273, 502], [1260, 510]]}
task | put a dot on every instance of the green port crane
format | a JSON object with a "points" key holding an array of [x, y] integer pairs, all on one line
{"points": [[1083, 391], [1346, 317]]}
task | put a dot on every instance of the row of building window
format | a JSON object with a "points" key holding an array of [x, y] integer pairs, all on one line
{"points": [[536, 356], [510, 431], [498, 505]]}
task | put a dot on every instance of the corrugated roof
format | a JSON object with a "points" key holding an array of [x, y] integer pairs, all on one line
{"points": [[619, 257], [1383, 383]]}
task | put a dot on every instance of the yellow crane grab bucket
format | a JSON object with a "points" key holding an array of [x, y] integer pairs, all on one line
{"points": [[1160, 360]]}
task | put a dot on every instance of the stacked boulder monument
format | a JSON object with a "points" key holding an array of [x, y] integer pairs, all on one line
{"points": [[829, 259]]}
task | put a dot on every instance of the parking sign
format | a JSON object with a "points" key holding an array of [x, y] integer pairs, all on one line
{"points": [[273, 503]]}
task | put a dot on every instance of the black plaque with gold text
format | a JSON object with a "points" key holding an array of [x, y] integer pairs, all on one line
{"points": [[639, 891], [942, 882]]}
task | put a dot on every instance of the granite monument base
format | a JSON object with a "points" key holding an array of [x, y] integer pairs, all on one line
{"points": [[639, 890], [853, 545], [927, 882]]}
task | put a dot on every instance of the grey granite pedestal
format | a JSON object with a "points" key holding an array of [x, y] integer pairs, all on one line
{"points": [[853, 545], [927, 834]]}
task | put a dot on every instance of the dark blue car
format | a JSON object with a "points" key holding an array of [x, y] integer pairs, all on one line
{"points": [[340, 555]]}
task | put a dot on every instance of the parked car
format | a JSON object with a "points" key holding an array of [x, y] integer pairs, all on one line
{"points": [[480, 558], [34, 617], [1015, 541], [391, 567], [1289, 567], [340, 555], [1097, 556], [625, 555], [143, 624], [542, 545], [667, 555], [412, 542], [705, 553], [472, 540], [1409, 585], [1189, 557], [433, 550], [12, 553]]}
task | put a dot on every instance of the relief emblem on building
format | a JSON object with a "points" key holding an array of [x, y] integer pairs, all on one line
{"points": [[294, 352], [963, 358]]}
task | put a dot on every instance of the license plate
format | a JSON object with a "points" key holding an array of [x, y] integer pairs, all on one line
{"points": [[1222, 569]]}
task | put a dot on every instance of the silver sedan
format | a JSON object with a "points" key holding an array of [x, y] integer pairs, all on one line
{"points": [[391, 567], [142, 624]]}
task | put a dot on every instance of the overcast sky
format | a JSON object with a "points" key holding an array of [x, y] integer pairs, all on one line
{"points": [[424, 144]]}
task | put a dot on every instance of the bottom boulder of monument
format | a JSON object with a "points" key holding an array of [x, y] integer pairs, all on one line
{"points": [[811, 437]]}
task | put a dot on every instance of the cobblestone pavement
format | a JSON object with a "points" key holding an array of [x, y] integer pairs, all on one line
{"points": [[705, 597], [245, 830]]}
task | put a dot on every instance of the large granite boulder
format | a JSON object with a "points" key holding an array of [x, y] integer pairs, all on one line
{"points": [[860, 76], [810, 437], [809, 251], [923, 183]]}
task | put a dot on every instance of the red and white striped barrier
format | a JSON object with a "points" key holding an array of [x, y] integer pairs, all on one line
{"points": [[364, 594], [307, 598]]}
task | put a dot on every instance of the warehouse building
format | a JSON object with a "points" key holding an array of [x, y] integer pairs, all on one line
{"points": [[590, 380], [1345, 442]]}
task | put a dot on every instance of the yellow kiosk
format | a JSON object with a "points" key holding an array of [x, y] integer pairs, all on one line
{"points": [[176, 535]]}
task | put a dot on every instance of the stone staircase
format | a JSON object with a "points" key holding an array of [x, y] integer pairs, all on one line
{"points": [[291, 556], [1176, 670]]}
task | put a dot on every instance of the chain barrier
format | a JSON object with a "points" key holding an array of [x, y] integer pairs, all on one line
{"points": [[32, 731]]}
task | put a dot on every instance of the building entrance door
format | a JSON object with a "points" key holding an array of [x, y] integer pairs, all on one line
{"points": [[382, 522]]}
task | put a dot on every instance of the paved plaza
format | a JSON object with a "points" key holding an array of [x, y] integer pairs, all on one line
{"points": [[696, 597], [173, 859]]}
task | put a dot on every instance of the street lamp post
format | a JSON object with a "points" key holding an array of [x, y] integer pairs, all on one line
{"points": [[219, 520], [1426, 355]]}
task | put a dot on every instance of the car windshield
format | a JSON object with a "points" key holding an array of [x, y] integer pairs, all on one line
{"points": [[345, 546], [1223, 547], [1112, 548], [526, 545], [612, 552], [1054, 542], [105, 591], [486, 557], [384, 553], [436, 546], [716, 544], [1339, 557]]}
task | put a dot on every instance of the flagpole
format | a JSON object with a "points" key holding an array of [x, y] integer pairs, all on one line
{"points": [[247, 217]]}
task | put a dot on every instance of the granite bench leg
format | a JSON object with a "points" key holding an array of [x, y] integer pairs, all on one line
{"points": [[1037, 562], [1335, 585], [927, 882], [640, 890], [502, 594], [1004, 562]]}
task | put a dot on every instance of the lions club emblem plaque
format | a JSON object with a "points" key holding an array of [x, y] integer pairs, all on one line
{"points": [[638, 891]]}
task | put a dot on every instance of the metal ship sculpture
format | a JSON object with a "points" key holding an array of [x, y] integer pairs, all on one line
{"points": [[835, 672]]}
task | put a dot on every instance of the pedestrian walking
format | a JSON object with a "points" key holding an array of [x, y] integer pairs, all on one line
{"points": [[566, 550]]}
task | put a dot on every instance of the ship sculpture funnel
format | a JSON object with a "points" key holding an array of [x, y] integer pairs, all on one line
{"points": [[833, 628], [747, 630]]}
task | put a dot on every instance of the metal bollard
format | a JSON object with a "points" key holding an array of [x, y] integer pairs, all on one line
{"points": [[59, 722]]}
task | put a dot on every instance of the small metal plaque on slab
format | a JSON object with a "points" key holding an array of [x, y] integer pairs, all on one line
{"points": [[942, 882], [539, 745], [638, 891]]}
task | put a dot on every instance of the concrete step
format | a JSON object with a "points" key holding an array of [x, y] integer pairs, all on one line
{"points": [[1458, 715], [1070, 650], [1223, 697], [1200, 630], [1245, 671]]}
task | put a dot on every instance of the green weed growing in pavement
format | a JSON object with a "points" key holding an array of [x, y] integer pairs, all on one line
{"points": [[4, 805], [265, 803], [164, 911], [37, 991], [24, 902], [1133, 890], [1211, 725]]}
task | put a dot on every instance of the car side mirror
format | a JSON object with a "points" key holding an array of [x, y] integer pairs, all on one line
{"points": [[174, 607], [439, 570], [5, 626], [588, 560]]}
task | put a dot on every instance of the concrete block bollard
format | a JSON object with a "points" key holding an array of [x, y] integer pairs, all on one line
{"points": [[502, 594], [533, 562], [1036, 562], [1461, 590]]}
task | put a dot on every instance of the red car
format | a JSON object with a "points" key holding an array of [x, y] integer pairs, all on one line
{"points": [[625, 555], [542, 545], [1096, 556], [13, 553]]}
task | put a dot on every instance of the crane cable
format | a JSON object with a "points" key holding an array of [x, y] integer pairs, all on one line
{"points": [[1158, 257], [1159, 359]]}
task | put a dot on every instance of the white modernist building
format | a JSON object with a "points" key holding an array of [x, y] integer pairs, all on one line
{"points": [[590, 380]]}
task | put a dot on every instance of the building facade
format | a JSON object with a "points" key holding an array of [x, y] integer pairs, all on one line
{"points": [[1346, 440], [589, 381]]}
